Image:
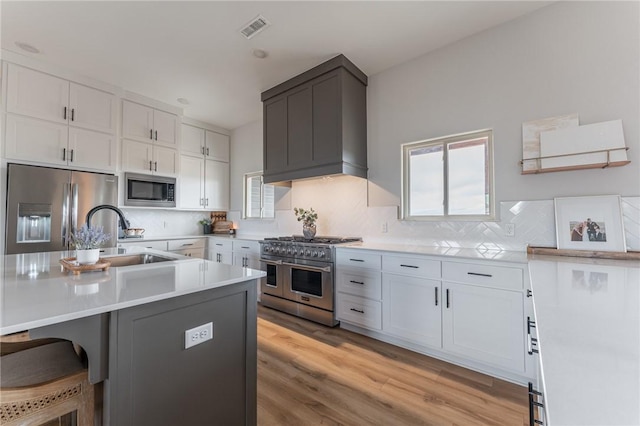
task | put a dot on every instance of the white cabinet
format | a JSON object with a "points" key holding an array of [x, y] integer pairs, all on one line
{"points": [[146, 124], [53, 121], [146, 158], [359, 288], [246, 253], [412, 309], [154, 245], [205, 185], [221, 250]]}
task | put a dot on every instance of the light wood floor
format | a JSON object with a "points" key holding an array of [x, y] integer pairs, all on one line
{"points": [[309, 374]]}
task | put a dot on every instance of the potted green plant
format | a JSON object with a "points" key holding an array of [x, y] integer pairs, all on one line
{"points": [[308, 219], [206, 225], [87, 242]]}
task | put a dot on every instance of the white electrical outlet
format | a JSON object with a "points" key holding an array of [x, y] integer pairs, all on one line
{"points": [[385, 228], [510, 229], [198, 335]]}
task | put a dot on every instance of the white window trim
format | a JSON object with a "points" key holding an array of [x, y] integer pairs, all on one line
{"points": [[244, 197], [488, 133]]}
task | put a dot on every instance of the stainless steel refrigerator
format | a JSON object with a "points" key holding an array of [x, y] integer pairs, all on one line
{"points": [[44, 205]]}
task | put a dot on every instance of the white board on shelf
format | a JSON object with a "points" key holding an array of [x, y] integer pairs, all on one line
{"points": [[531, 136], [575, 141]]}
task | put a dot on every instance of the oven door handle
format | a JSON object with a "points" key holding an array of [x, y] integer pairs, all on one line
{"points": [[309, 268], [271, 262]]}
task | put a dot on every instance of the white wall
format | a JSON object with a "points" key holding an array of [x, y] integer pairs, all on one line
{"points": [[568, 57]]}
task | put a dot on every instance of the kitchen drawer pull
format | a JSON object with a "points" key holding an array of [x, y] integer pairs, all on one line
{"points": [[356, 260], [187, 244], [245, 247], [356, 282], [156, 135], [410, 266], [477, 274], [207, 151], [436, 289], [447, 298], [64, 154], [219, 244], [150, 166], [71, 155], [156, 166], [151, 134], [73, 114], [65, 113], [357, 310], [532, 403], [202, 149]]}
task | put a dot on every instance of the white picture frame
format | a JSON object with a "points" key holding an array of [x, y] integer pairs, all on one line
{"points": [[590, 223]]}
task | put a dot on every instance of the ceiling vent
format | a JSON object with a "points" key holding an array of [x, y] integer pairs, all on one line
{"points": [[255, 26]]}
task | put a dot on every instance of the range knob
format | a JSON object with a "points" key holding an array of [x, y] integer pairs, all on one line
{"points": [[323, 254], [314, 254], [308, 252], [288, 251]]}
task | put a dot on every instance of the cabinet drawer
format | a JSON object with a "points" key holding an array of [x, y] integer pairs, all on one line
{"points": [[246, 246], [191, 252], [220, 244], [414, 266], [191, 244], [154, 245], [359, 282], [483, 275], [356, 310], [358, 258]]}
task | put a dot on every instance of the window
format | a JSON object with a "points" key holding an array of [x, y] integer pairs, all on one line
{"points": [[450, 177], [259, 198]]}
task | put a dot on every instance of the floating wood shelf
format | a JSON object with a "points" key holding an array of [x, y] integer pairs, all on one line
{"points": [[601, 165], [629, 255]]}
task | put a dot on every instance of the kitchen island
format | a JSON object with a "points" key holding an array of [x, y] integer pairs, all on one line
{"points": [[587, 319], [132, 322]]}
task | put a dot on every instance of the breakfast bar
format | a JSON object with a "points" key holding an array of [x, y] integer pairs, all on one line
{"points": [[140, 325]]}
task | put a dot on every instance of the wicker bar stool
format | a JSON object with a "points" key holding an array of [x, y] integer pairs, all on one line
{"points": [[41, 381]]}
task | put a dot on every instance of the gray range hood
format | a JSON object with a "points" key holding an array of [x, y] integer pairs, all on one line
{"points": [[316, 124]]}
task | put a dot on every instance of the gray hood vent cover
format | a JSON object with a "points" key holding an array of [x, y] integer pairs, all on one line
{"points": [[255, 26]]}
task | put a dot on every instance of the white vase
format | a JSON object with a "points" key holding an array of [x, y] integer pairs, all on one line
{"points": [[87, 257]]}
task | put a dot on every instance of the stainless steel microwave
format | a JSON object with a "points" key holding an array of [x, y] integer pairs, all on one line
{"points": [[149, 191]]}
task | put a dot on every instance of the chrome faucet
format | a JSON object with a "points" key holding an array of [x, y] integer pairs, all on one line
{"points": [[124, 223]]}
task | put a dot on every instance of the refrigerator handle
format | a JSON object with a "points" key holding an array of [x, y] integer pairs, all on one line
{"points": [[74, 206], [65, 216]]}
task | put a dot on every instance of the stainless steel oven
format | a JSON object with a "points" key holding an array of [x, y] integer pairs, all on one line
{"points": [[300, 276]]}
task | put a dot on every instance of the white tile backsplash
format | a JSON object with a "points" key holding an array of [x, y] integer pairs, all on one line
{"points": [[341, 203]]}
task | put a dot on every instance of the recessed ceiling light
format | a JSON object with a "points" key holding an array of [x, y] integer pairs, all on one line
{"points": [[259, 53], [183, 101], [27, 47]]}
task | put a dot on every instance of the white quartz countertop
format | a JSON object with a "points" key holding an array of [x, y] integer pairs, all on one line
{"points": [[187, 237], [465, 253], [34, 291], [587, 315]]}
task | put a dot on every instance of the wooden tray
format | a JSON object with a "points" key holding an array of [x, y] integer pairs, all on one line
{"points": [[630, 255], [69, 264]]}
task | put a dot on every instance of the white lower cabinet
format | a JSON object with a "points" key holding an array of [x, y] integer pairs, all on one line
{"points": [[412, 309], [484, 324], [470, 312]]}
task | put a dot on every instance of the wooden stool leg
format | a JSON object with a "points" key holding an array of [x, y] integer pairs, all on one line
{"points": [[86, 408]]}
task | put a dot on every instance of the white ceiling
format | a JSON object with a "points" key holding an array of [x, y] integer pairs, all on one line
{"points": [[171, 49]]}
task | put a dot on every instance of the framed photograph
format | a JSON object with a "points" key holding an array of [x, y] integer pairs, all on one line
{"points": [[590, 223]]}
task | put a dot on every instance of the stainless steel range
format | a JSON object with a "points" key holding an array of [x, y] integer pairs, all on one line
{"points": [[300, 276]]}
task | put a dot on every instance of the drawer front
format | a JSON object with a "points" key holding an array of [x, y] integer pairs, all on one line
{"points": [[220, 244], [359, 282], [154, 245], [414, 266], [484, 275], [358, 259], [191, 243], [246, 246], [191, 252], [356, 310]]}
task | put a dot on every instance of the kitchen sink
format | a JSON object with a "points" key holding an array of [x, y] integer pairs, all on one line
{"points": [[136, 259]]}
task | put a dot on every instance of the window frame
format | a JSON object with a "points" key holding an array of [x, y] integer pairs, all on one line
{"points": [[246, 178], [444, 142]]}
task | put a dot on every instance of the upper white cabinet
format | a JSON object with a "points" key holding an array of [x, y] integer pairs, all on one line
{"points": [[204, 169], [146, 124], [54, 121], [146, 158], [200, 142]]}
